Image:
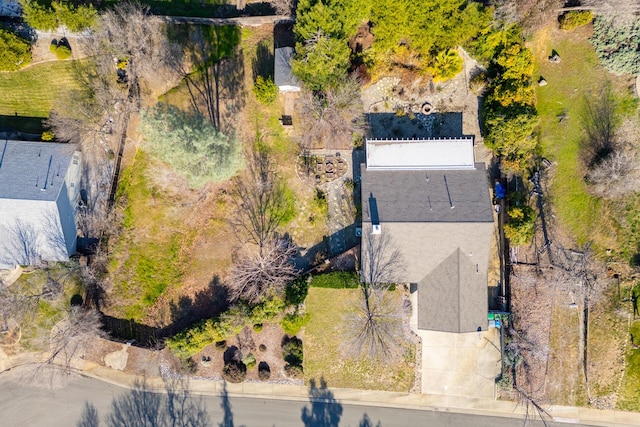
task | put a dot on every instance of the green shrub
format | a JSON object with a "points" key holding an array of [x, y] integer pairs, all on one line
{"points": [[74, 18], [521, 226], [38, 16], [293, 323], [262, 348], [16, 51], [191, 145], [446, 65], [265, 90], [234, 372], [292, 351], [221, 345], [63, 52], [53, 46], [249, 360], [257, 327], [574, 19], [194, 339], [47, 135], [336, 280], [616, 43], [296, 291]]}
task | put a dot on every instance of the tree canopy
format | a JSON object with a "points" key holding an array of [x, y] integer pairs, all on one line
{"points": [[16, 51], [407, 33]]}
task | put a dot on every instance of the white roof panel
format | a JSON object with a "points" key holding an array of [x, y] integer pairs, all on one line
{"points": [[418, 154]]}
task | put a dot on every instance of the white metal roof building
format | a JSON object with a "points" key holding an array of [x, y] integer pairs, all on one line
{"points": [[39, 193], [420, 154]]}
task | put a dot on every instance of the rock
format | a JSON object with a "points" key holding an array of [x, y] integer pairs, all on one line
{"points": [[118, 359], [542, 82], [555, 58]]}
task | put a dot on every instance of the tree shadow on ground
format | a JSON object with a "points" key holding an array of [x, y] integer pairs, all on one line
{"points": [[366, 422], [143, 406], [325, 411], [205, 304], [212, 66], [263, 63]]}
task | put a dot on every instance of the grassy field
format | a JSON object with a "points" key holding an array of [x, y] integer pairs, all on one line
{"points": [[322, 356], [560, 106], [33, 91], [148, 260]]}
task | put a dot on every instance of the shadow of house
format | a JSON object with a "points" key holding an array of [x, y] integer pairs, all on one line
{"points": [[433, 200], [415, 126]]}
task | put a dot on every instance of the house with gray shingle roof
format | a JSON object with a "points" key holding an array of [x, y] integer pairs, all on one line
{"points": [[432, 201], [39, 196]]}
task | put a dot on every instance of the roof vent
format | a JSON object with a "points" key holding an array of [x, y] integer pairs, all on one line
{"points": [[376, 229]]}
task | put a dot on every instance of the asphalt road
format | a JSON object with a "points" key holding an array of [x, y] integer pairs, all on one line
{"points": [[34, 407]]}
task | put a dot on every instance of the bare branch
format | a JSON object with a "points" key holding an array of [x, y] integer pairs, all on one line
{"points": [[263, 273], [259, 201], [374, 327]]}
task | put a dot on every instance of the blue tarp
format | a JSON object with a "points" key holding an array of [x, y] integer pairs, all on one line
{"points": [[500, 191]]}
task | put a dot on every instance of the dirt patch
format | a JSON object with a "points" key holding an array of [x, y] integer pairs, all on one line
{"points": [[363, 39], [265, 345]]}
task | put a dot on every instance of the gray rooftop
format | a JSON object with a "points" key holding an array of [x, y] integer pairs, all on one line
{"points": [[33, 170], [282, 75], [426, 196], [453, 297]]}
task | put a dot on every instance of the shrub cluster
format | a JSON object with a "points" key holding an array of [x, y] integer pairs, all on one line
{"points": [[295, 292], [509, 111], [47, 16], [574, 19], [194, 339], [60, 48], [265, 90]]}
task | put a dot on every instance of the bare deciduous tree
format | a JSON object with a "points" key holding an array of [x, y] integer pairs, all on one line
{"points": [[374, 326], [70, 337], [600, 121], [259, 200], [256, 275], [615, 176], [333, 119]]}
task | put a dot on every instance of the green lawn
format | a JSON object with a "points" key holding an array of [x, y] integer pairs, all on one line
{"points": [[560, 106], [322, 356], [32, 92]]}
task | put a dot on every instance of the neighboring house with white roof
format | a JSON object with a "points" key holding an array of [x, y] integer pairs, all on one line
{"points": [[39, 194], [432, 201]]}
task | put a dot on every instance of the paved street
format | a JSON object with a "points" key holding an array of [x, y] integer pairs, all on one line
{"points": [[21, 406]]}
